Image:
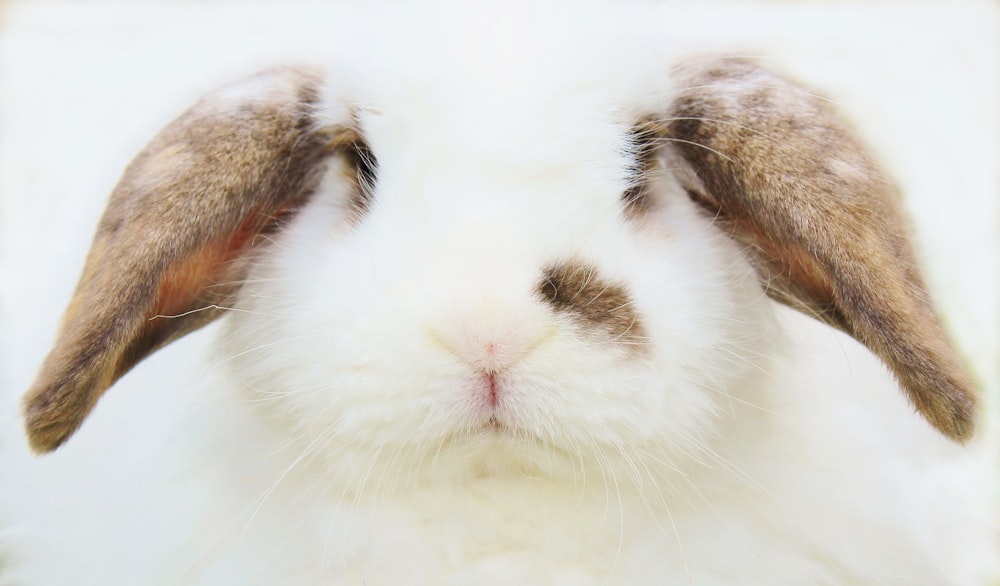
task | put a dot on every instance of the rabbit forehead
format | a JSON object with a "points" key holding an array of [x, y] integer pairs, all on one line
{"points": [[451, 151], [450, 164], [537, 180]]}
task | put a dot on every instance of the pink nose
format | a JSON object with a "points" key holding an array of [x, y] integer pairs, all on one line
{"points": [[490, 350], [493, 355]]}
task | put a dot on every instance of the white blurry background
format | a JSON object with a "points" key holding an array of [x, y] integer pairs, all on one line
{"points": [[83, 85]]}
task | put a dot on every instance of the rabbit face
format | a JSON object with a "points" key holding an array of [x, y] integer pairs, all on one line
{"points": [[497, 318]]}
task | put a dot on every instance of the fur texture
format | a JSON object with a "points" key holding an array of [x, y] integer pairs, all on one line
{"points": [[492, 366]]}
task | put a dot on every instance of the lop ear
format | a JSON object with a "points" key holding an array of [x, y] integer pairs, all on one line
{"points": [[175, 237], [823, 225]]}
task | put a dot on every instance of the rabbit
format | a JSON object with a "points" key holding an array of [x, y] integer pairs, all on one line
{"points": [[655, 326]]}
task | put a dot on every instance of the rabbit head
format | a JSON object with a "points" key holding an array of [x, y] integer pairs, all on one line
{"points": [[415, 276]]}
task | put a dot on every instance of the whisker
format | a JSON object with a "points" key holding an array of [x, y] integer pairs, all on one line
{"points": [[663, 121], [697, 144], [666, 508], [307, 451], [271, 344], [206, 308]]}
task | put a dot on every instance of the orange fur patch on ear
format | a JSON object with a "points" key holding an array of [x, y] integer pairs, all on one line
{"points": [[198, 279], [173, 244], [823, 226], [788, 271], [183, 282]]}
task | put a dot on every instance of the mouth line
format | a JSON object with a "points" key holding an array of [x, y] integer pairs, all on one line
{"points": [[492, 393]]}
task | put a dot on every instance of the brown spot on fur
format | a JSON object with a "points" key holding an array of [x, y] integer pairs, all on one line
{"points": [[576, 289], [177, 235], [824, 227]]}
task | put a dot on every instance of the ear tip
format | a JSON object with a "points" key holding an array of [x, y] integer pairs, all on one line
{"points": [[47, 425], [46, 438], [42, 444], [964, 427], [961, 429], [954, 413]]}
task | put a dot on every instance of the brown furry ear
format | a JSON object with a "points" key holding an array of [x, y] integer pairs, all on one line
{"points": [[824, 226], [174, 239]]}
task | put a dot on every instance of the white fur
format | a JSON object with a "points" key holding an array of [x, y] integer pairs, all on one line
{"points": [[336, 435]]}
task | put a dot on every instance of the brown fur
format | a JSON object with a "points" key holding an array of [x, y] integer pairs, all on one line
{"points": [[825, 227], [578, 290], [176, 235]]}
